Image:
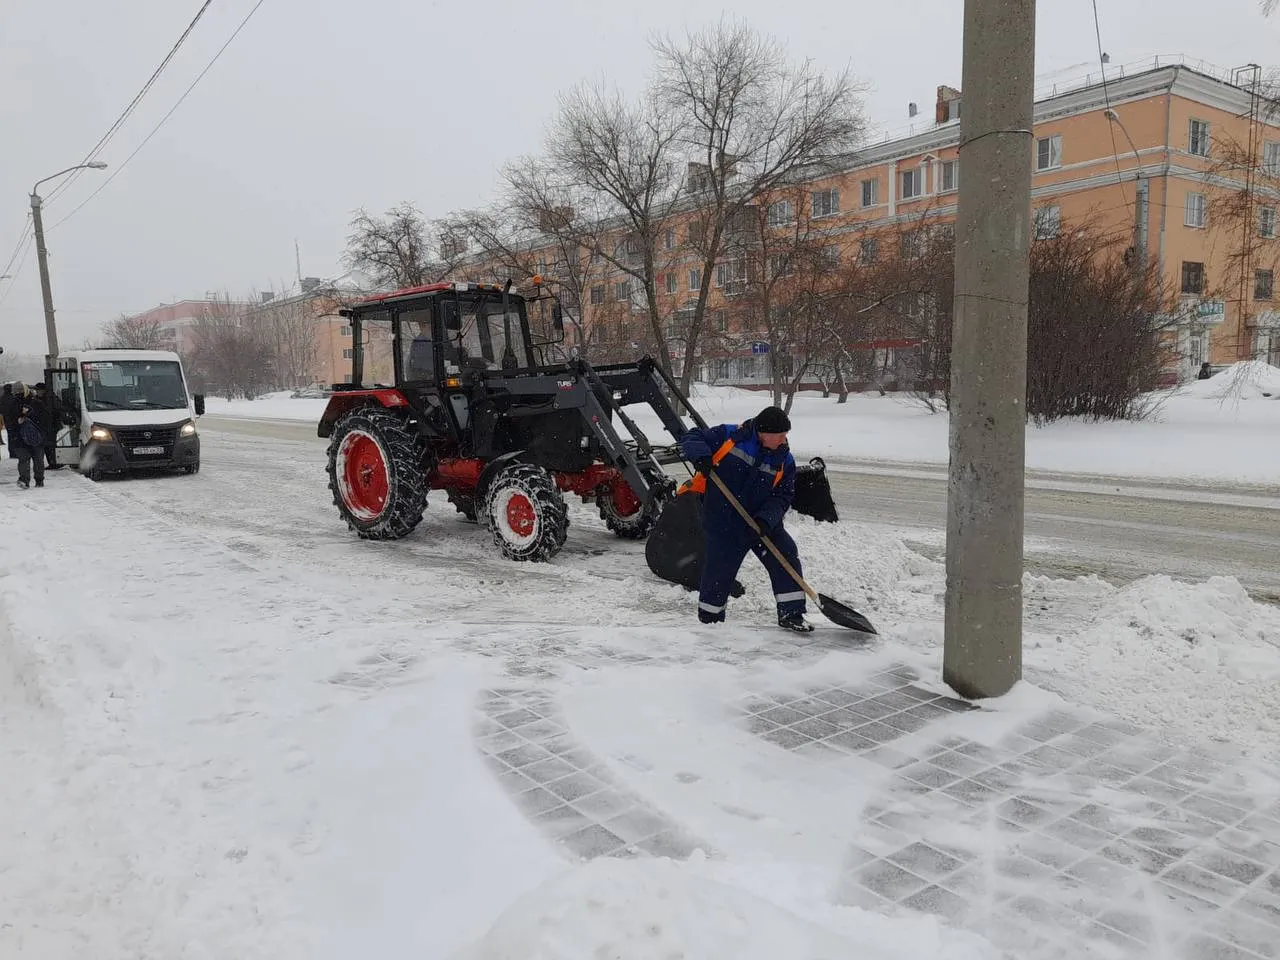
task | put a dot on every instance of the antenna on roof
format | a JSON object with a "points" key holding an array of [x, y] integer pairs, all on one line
{"points": [[297, 256]]}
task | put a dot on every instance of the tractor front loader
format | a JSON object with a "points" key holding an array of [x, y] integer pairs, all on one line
{"points": [[450, 391]]}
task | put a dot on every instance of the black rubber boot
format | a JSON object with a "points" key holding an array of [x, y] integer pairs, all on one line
{"points": [[795, 622]]}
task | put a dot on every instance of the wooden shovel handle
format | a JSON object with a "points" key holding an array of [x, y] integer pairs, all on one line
{"points": [[755, 528]]}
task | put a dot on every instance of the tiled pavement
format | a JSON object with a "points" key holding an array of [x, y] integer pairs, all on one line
{"points": [[1071, 837]]}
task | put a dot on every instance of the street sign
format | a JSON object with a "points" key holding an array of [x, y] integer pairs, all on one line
{"points": [[1211, 311], [758, 347]]}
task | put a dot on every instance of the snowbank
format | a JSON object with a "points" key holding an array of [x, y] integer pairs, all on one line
{"points": [[648, 909], [1250, 380], [1200, 660], [273, 406]]}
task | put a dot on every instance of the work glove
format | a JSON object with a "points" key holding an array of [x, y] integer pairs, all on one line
{"points": [[703, 465], [763, 526]]}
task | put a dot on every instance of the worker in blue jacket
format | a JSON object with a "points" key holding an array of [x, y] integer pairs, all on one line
{"points": [[755, 463]]}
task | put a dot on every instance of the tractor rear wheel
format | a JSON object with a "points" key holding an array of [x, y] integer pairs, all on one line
{"points": [[624, 514], [526, 513], [377, 474]]}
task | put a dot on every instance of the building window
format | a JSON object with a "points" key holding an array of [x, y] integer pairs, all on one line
{"points": [[949, 176], [825, 203], [1192, 277], [1267, 222], [909, 245], [1196, 210], [622, 290], [1262, 284], [780, 213], [671, 283], [597, 295], [781, 265], [868, 251], [344, 330], [912, 183], [1198, 138], [869, 192], [731, 276], [669, 239], [348, 353], [829, 258], [695, 279], [1271, 158], [1048, 221], [1049, 152]]}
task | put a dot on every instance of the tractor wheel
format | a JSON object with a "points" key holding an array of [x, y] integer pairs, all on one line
{"points": [[377, 474], [624, 514], [525, 511]]}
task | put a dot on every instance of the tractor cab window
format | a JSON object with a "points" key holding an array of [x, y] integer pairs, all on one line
{"points": [[479, 336], [417, 345], [378, 347]]}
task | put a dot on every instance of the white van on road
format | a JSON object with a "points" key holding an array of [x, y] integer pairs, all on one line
{"points": [[124, 410]]}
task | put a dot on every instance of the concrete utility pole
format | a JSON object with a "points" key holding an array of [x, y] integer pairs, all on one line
{"points": [[42, 256], [983, 651]]}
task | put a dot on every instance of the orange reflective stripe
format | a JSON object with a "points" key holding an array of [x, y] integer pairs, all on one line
{"points": [[777, 477], [722, 452]]}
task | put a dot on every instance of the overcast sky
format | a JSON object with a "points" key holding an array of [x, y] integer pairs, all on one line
{"points": [[321, 106]]}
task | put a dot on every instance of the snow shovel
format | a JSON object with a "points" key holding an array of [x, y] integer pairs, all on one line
{"points": [[833, 610]]}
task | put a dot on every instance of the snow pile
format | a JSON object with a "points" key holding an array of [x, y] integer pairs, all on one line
{"points": [[274, 406], [1197, 659], [1249, 380], [648, 909]]}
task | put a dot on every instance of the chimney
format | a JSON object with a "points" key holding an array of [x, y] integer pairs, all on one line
{"points": [[948, 106], [310, 284]]}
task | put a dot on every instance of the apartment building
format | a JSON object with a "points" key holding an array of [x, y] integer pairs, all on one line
{"points": [[1139, 153], [176, 322]]}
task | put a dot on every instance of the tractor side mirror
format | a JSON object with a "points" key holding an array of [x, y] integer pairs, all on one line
{"points": [[557, 319], [198, 400]]}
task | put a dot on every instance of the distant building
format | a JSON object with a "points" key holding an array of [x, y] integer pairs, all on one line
{"points": [[1181, 117], [177, 321]]}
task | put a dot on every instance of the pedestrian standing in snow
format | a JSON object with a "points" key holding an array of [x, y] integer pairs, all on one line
{"points": [[9, 416], [52, 416], [1205, 371], [755, 463], [26, 440]]}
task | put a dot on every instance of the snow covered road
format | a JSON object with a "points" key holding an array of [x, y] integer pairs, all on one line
{"points": [[1116, 528]]}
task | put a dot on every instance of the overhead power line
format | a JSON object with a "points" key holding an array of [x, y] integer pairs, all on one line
{"points": [[106, 137], [156, 129]]}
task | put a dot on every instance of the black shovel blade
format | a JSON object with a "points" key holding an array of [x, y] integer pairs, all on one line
{"points": [[838, 613]]}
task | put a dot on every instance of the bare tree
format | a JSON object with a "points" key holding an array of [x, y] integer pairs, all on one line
{"points": [[1243, 203], [227, 356], [620, 158], [287, 330], [134, 333], [779, 274], [399, 249], [749, 121], [534, 230]]}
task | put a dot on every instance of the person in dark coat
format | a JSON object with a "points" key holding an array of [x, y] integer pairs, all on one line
{"points": [[756, 464], [9, 415], [26, 440], [52, 419]]}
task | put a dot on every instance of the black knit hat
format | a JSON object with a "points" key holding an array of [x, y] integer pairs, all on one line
{"points": [[772, 420]]}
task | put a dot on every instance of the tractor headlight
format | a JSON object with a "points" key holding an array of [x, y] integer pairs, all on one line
{"points": [[188, 429], [97, 432]]}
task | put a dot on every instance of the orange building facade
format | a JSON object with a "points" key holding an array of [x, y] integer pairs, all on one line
{"points": [[1165, 127]]}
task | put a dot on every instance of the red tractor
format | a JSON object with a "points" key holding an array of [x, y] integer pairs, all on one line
{"points": [[450, 391]]}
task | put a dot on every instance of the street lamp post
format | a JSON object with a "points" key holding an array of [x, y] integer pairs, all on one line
{"points": [[1140, 201], [42, 255]]}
